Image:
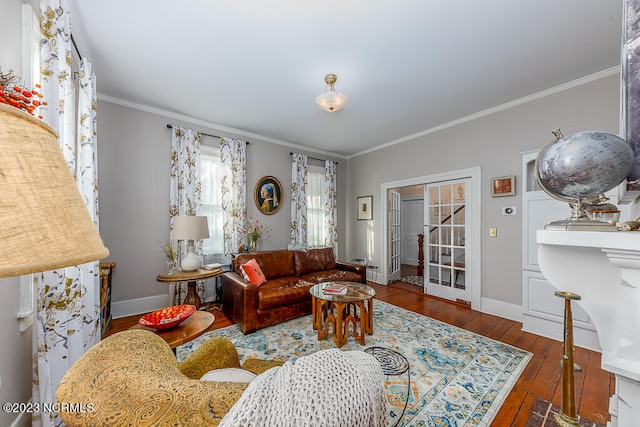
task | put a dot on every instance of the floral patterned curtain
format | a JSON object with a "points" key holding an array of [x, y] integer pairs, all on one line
{"points": [[66, 300], [233, 156], [299, 199], [184, 191], [331, 205]]}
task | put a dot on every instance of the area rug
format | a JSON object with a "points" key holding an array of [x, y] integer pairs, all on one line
{"points": [[456, 377], [413, 280]]}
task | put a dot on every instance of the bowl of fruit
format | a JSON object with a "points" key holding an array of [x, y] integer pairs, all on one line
{"points": [[167, 317]]}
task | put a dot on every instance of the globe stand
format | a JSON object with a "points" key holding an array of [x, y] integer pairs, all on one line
{"points": [[579, 220], [580, 225]]}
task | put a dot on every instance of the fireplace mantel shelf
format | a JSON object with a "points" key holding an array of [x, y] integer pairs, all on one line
{"points": [[604, 269]]}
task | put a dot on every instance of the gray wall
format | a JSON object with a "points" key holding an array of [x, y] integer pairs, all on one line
{"points": [[15, 352], [493, 142], [134, 163], [134, 149]]}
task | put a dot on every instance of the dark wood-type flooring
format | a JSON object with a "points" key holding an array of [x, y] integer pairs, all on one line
{"points": [[541, 378]]}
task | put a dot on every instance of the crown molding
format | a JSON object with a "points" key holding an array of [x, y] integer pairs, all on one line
{"points": [[210, 125], [493, 110]]}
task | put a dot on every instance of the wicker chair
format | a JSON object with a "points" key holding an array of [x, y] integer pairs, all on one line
{"points": [[133, 378]]}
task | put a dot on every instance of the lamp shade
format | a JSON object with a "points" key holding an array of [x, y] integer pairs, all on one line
{"points": [[44, 223], [331, 101], [190, 227]]}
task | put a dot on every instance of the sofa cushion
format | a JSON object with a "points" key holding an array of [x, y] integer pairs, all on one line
{"points": [[252, 272], [332, 276], [233, 375], [309, 260], [283, 291], [273, 263]]}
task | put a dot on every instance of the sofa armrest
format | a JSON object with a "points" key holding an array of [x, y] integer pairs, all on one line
{"points": [[215, 353], [240, 301], [357, 268]]}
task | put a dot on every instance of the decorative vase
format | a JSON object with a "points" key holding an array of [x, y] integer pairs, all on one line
{"points": [[253, 243], [171, 266]]}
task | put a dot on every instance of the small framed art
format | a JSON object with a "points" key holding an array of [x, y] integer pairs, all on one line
{"points": [[365, 208], [268, 195], [503, 186]]}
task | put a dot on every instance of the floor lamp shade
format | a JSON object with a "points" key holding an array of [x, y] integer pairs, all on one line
{"points": [[44, 223], [190, 228]]}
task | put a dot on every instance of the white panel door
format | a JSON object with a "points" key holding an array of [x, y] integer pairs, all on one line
{"points": [[411, 225], [394, 235]]}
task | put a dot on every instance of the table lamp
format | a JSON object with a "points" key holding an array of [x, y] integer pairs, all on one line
{"points": [[44, 223], [190, 228]]}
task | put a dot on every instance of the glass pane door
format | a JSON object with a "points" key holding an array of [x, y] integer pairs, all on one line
{"points": [[445, 226]]}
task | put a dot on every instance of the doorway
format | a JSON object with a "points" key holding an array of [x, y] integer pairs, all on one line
{"points": [[452, 260]]}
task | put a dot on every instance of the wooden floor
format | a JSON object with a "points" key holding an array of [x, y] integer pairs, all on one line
{"points": [[541, 378]]}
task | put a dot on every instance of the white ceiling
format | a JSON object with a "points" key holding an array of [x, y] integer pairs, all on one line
{"points": [[254, 67]]}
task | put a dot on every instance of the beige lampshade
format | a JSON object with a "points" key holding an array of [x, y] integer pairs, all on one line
{"points": [[189, 227], [44, 223]]}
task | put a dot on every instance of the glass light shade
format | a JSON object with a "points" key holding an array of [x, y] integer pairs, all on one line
{"points": [[44, 223], [331, 101]]}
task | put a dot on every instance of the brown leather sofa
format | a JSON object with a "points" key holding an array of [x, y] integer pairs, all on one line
{"points": [[285, 295]]}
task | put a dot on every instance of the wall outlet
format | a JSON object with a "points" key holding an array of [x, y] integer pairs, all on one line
{"points": [[509, 210]]}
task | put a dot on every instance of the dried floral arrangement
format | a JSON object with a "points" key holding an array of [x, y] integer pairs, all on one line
{"points": [[13, 93]]}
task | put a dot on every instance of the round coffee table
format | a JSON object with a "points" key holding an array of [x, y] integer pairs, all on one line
{"points": [[355, 308]]}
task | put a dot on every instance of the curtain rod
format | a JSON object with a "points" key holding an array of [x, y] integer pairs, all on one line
{"points": [[76, 47], [314, 158], [169, 126]]}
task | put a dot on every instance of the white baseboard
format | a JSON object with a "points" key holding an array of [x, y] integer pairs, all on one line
{"points": [[138, 306], [582, 337], [502, 309]]}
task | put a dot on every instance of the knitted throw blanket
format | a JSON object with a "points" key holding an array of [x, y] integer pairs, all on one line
{"points": [[327, 388]]}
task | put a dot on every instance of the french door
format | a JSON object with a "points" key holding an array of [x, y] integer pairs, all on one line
{"points": [[445, 236], [394, 235]]}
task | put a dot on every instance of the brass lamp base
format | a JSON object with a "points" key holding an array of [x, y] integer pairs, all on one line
{"points": [[564, 421], [568, 416]]}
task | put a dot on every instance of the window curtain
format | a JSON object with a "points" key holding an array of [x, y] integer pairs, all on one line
{"points": [[184, 192], [299, 199], [233, 156], [66, 300], [331, 205]]}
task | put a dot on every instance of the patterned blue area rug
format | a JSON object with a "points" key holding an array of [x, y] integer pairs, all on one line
{"points": [[457, 378]]}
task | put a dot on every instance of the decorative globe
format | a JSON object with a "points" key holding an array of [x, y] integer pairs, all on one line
{"points": [[581, 167]]}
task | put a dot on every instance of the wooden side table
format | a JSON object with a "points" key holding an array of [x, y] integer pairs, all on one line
{"points": [[191, 277], [355, 308], [196, 325]]}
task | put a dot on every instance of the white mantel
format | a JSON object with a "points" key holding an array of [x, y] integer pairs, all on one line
{"points": [[604, 269]]}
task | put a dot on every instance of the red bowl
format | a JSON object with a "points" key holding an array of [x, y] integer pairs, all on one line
{"points": [[168, 317]]}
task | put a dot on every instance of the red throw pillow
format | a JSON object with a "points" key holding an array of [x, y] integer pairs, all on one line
{"points": [[253, 272]]}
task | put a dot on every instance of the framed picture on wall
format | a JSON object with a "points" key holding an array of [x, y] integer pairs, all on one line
{"points": [[365, 208], [503, 186], [268, 195]]}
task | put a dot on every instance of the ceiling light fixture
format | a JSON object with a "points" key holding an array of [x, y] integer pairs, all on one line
{"points": [[330, 100]]}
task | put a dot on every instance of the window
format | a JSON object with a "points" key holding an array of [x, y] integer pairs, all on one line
{"points": [[211, 202], [315, 206]]}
